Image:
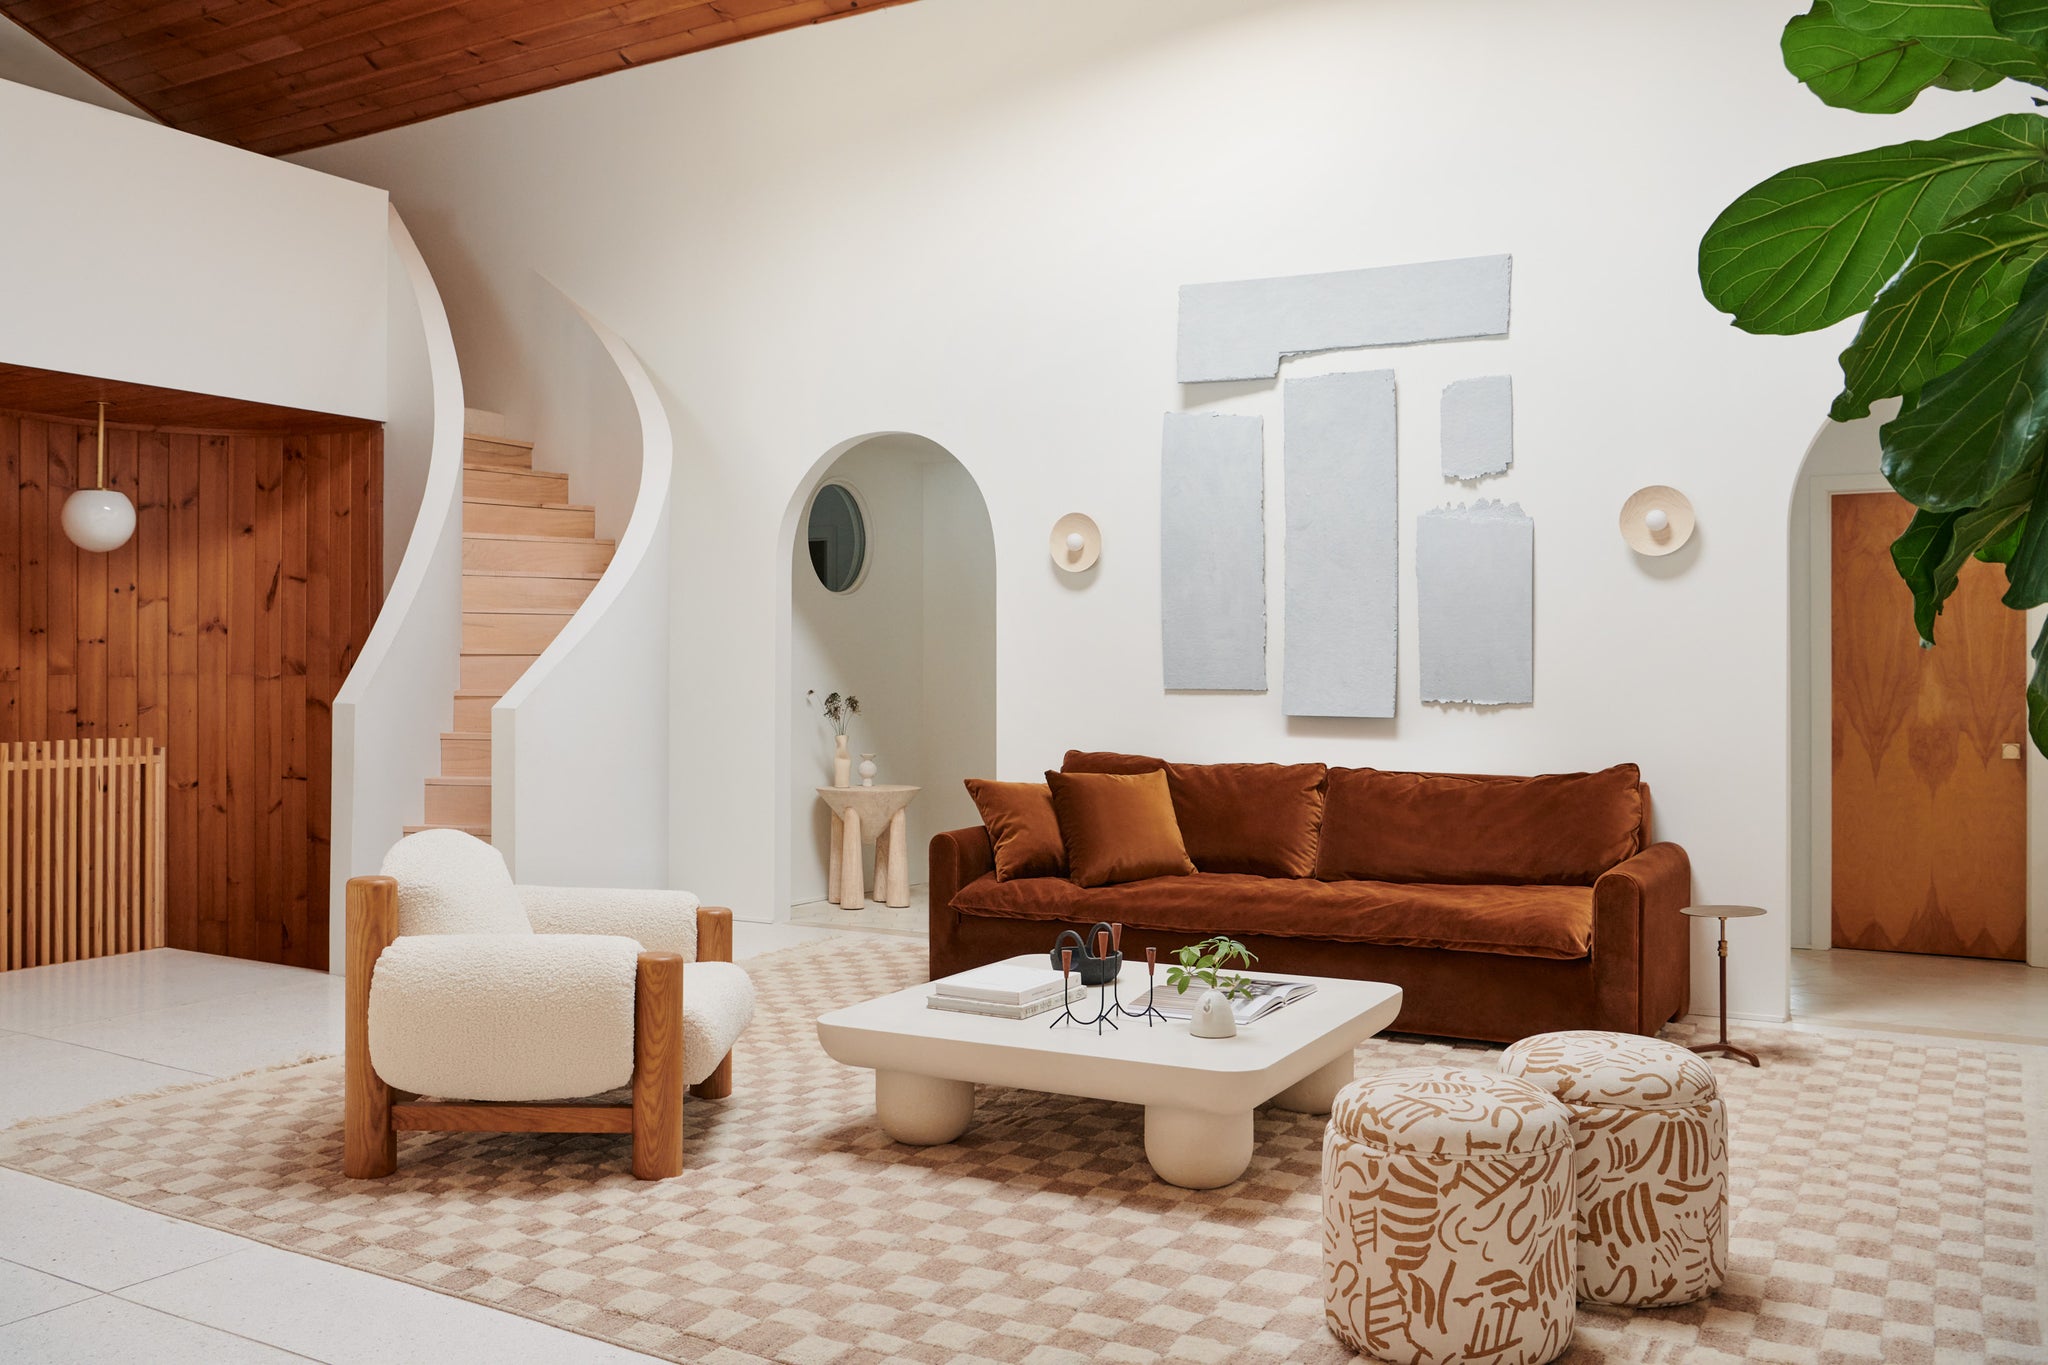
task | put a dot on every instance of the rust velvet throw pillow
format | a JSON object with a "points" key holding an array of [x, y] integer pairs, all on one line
{"points": [[1022, 826], [1262, 819], [1118, 827]]}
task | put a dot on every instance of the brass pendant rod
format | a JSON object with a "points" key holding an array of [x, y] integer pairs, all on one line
{"points": [[103, 443]]}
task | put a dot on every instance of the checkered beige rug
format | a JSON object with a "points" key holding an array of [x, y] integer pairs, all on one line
{"points": [[1883, 1210]]}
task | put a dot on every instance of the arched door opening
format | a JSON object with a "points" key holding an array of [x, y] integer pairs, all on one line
{"points": [[1917, 805], [892, 602]]}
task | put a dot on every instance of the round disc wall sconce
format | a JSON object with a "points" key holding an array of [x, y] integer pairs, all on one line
{"points": [[1076, 542], [99, 519], [1656, 520]]}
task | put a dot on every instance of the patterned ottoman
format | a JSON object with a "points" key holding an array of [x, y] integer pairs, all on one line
{"points": [[1652, 1177], [1447, 1219]]}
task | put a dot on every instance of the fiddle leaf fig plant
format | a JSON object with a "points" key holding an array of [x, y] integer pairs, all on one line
{"points": [[1942, 246], [1203, 963]]}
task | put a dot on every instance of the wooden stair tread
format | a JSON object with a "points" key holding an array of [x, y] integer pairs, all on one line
{"points": [[564, 612], [551, 540], [466, 695], [457, 782], [515, 473], [465, 734], [496, 440], [482, 832], [550, 506], [533, 573]]}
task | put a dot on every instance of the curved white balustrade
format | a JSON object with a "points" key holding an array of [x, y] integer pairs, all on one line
{"points": [[396, 701]]}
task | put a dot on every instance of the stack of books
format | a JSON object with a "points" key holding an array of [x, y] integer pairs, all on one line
{"points": [[1004, 990]]}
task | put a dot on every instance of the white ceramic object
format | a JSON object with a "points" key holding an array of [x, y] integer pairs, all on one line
{"points": [[98, 519], [1198, 1093], [1212, 1017], [867, 770], [1076, 543]]}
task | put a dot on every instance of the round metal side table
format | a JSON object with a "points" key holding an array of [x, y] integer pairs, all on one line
{"points": [[1724, 913]]}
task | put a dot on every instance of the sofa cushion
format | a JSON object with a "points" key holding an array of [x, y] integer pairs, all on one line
{"points": [[1517, 921], [1117, 827], [1021, 826], [1261, 818], [1561, 829]]}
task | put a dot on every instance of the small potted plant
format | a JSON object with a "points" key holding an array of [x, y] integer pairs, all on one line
{"points": [[839, 710], [1202, 964]]}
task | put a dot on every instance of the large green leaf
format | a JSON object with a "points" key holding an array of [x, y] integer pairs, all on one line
{"points": [[1969, 431], [1850, 69], [2037, 693], [2024, 21], [1954, 28], [1957, 289], [2026, 572], [1813, 245], [1935, 546]]}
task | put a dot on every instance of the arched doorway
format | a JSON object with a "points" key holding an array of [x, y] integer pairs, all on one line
{"points": [[891, 599], [1921, 979]]}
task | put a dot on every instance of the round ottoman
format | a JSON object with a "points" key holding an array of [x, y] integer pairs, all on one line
{"points": [[1447, 1219], [1652, 1177]]}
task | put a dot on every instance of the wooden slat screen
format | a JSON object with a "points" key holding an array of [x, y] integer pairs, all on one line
{"points": [[81, 849]]}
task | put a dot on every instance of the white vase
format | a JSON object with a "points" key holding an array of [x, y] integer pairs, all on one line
{"points": [[867, 770], [1212, 1017], [842, 763]]}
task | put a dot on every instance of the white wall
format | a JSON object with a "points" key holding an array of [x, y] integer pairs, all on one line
{"points": [[580, 744], [969, 218], [159, 258], [914, 641], [26, 60]]}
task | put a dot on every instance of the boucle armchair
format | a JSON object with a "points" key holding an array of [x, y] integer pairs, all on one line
{"points": [[513, 1006]]}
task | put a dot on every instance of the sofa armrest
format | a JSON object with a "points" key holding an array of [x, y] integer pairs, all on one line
{"points": [[957, 857], [714, 934], [660, 921], [1642, 943]]}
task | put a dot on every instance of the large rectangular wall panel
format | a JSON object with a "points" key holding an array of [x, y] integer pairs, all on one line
{"points": [[1342, 545], [1479, 427], [1239, 329], [1475, 579], [1212, 553]]}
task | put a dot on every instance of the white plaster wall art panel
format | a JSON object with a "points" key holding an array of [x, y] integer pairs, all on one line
{"points": [[1475, 576], [1212, 553], [1240, 329], [1343, 536], [1479, 427]]}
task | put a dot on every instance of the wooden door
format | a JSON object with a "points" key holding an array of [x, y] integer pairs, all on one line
{"points": [[1930, 795]]}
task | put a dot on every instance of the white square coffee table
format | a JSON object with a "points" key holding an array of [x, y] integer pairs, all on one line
{"points": [[1198, 1093]]}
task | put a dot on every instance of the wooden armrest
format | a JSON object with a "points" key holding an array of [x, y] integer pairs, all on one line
{"points": [[714, 933]]}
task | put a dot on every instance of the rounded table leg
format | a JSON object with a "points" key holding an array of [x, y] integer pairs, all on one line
{"points": [[1317, 1091], [897, 889], [1197, 1150], [922, 1110], [836, 862], [852, 881]]}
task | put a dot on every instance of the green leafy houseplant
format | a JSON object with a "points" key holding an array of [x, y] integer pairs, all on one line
{"points": [[1203, 963], [1942, 245]]}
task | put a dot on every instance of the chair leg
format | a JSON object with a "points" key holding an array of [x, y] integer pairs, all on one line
{"points": [[718, 1084], [369, 1143], [658, 1067]]}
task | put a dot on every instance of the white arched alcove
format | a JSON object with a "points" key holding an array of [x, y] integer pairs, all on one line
{"points": [[914, 638]]}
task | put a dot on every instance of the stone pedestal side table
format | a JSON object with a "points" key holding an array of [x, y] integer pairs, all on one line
{"points": [[879, 815], [1724, 913]]}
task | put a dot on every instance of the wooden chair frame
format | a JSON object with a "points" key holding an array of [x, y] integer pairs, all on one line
{"points": [[375, 1113]]}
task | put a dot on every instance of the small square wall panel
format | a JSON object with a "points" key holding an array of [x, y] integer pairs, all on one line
{"points": [[1212, 538], [1479, 427], [1475, 584], [1342, 545]]}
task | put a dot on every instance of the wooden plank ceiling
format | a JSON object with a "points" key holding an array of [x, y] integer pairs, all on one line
{"points": [[281, 76], [70, 398]]}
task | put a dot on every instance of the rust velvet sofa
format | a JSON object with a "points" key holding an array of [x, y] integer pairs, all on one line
{"points": [[1502, 906]]}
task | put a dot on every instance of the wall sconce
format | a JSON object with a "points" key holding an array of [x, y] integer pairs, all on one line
{"points": [[1656, 520], [1076, 542], [99, 519]]}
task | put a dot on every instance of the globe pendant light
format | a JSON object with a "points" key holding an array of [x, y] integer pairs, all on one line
{"points": [[99, 519]]}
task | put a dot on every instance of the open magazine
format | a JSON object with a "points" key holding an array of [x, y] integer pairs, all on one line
{"points": [[1266, 997]]}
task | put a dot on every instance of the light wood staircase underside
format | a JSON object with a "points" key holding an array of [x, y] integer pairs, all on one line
{"points": [[529, 558]]}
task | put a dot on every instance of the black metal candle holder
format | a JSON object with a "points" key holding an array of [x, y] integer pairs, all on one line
{"points": [[1149, 1013]]}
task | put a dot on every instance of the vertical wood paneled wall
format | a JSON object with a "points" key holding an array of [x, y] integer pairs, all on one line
{"points": [[221, 631]]}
